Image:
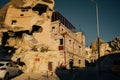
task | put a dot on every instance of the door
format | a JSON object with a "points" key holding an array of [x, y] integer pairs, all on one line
{"points": [[50, 66]]}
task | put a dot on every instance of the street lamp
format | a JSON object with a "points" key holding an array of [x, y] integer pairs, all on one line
{"points": [[97, 25], [98, 33]]}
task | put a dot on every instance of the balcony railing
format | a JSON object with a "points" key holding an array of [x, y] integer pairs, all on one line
{"points": [[57, 16]]}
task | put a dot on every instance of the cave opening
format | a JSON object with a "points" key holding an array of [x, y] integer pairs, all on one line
{"points": [[20, 33], [36, 28], [41, 8]]}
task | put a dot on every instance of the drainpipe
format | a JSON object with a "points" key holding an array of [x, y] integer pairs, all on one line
{"points": [[64, 50], [73, 51]]}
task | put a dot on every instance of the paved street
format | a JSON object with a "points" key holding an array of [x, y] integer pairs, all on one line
{"points": [[89, 73], [35, 76]]}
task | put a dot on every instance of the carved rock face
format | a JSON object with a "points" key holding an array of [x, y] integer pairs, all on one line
{"points": [[26, 3], [23, 14], [25, 23]]}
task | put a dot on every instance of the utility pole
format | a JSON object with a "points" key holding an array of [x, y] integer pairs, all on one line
{"points": [[98, 34]]}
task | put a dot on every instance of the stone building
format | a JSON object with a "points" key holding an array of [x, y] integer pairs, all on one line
{"points": [[89, 55], [42, 38], [106, 48], [71, 44]]}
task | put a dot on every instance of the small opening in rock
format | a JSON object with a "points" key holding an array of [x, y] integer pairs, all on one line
{"points": [[21, 14], [13, 22]]}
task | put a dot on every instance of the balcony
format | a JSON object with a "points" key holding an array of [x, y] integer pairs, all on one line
{"points": [[57, 16]]}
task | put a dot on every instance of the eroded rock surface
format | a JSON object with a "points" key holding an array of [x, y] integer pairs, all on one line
{"points": [[22, 25]]}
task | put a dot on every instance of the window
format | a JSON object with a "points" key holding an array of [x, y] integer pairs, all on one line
{"points": [[13, 22], [53, 29], [22, 10], [21, 14], [79, 61], [70, 43], [62, 30], [61, 42]]}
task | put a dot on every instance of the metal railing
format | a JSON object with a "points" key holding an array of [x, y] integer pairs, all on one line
{"points": [[57, 16]]}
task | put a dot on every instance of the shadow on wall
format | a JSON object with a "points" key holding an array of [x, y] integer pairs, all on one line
{"points": [[11, 34], [90, 73], [7, 51]]}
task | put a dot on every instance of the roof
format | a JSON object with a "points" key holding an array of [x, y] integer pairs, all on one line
{"points": [[57, 16]]}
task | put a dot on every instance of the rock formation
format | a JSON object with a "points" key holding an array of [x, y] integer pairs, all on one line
{"points": [[22, 22], [115, 44], [106, 47]]}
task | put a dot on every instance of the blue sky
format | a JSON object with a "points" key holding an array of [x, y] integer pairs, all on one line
{"points": [[82, 14]]}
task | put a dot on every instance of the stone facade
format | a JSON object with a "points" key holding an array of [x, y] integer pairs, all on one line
{"points": [[70, 44], [106, 48]]}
